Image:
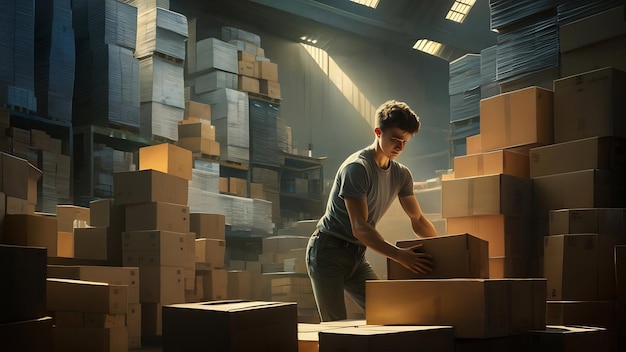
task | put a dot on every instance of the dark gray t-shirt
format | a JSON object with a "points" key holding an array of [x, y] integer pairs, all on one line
{"points": [[360, 177]]}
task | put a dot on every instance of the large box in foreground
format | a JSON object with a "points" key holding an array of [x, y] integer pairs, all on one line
{"points": [[477, 308], [376, 338], [455, 256], [233, 326]]}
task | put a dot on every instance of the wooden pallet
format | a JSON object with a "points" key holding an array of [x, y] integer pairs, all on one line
{"points": [[164, 56], [264, 97], [123, 128], [205, 157]]}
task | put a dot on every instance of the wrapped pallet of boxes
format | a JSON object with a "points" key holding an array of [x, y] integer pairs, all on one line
{"points": [[231, 326]]}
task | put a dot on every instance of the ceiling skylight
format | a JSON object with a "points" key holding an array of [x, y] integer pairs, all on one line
{"points": [[371, 3], [428, 46], [459, 10]]}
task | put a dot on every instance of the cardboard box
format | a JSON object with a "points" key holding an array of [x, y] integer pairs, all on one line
{"points": [[496, 162], [592, 29], [65, 244], [270, 88], [67, 295], [105, 213], [455, 256], [101, 320], [201, 145], [256, 191], [223, 184], [212, 251], [150, 248], [18, 336], [486, 195], [587, 220], [568, 338], [151, 319], [202, 129], [128, 276], [245, 56], [473, 145], [607, 53], [69, 319], [266, 70], [518, 118], [507, 235], [197, 110], [71, 216], [157, 216], [90, 339], [162, 284], [23, 270], [283, 244], [133, 320], [246, 68], [248, 84], [231, 326], [477, 308], [590, 104], [569, 277], [603, 153], [18, 206], [149, 186], [239, 284], [92, 243], [511, 267], [380, 338], [168, 158], [583, 313], [238, 186], [19, 178], [579, 189], [32, 230], [212, 284], [208, 225]]}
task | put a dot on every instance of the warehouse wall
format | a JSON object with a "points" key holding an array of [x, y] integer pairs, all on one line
{"points": [[320, 114]]}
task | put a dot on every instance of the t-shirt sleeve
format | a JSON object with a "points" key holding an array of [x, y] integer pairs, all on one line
{"points": [[406, 188], [353, 181]]}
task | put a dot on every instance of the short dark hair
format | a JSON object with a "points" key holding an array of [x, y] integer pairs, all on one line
{"points": [[394, 113]]}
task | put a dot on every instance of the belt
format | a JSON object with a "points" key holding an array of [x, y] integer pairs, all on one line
{"points": [[335, 240]]}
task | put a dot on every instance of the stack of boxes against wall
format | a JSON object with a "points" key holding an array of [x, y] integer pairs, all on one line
{"points": [[42, 61], [554, 154]]}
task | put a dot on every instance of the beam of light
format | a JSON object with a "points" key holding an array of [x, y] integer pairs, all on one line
{"points": [[345, 85]]}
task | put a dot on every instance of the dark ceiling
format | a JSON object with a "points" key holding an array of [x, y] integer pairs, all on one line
{"points": [[395, 23]]}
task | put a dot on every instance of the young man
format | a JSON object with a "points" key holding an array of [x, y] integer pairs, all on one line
{"points": [[366, 184]]}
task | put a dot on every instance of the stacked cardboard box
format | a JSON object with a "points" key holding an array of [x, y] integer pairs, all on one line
{"points": [[88, 315], [156, 235], [119, 276], [211, 276], [161, 36], [491, 194], [23, 311]]}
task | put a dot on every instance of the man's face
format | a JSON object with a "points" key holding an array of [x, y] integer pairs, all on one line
{"points": [[392, 141]]}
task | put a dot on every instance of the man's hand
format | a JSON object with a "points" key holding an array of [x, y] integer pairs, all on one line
{"points": [[414, 260]]}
